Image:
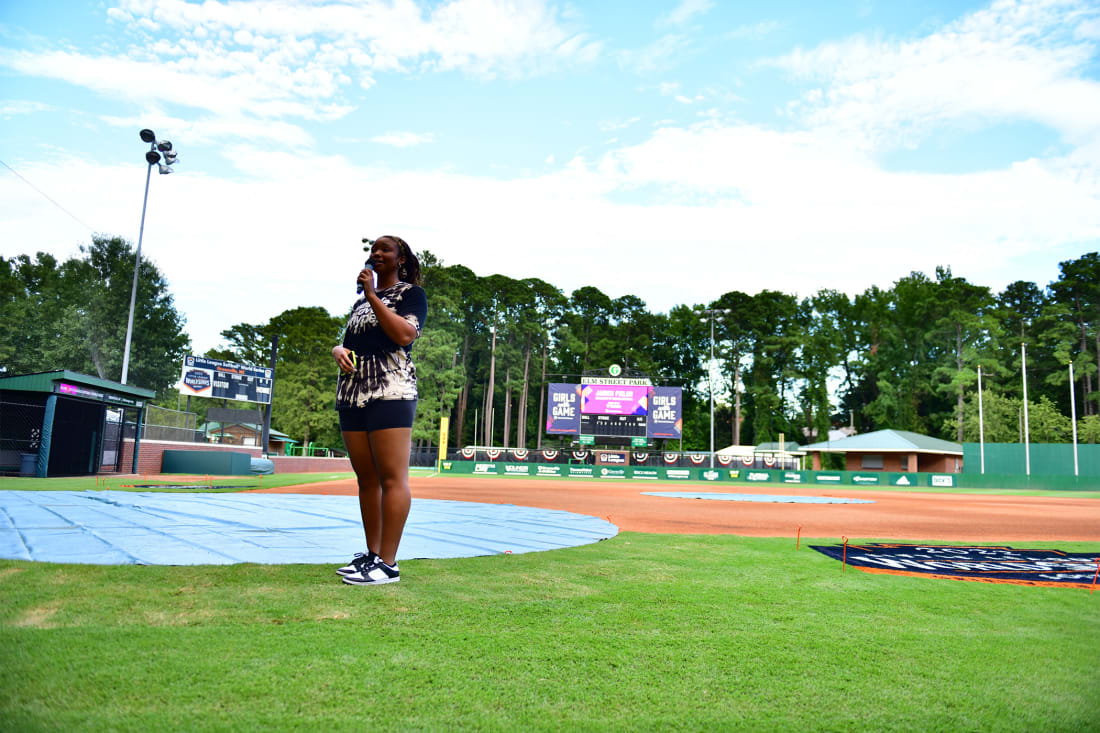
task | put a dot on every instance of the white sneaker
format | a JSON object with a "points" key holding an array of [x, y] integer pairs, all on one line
{"points": [[359, 562], [377, 573]]}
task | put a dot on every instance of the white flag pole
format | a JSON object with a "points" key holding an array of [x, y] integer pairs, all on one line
{"points": [[981, 420], [1073, 417], [1027, 438]]}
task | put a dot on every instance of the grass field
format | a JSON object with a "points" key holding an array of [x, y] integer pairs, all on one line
{"points": [[638, 632]]}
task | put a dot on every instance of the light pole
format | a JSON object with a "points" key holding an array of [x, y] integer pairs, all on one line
{"points": [[152, 157], [712, 314]]}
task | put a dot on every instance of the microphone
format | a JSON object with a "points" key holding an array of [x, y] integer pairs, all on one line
{"points": [[366, 265]]}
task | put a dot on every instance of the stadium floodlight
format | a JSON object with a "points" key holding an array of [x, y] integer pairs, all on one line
{"points": [[152, 157], [712, 315]]}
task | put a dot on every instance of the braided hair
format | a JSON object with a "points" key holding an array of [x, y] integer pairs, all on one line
{"points": [[410, 271]]}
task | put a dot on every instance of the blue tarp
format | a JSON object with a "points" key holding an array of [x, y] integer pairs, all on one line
{"points": [[766, 498], [122, 527]]}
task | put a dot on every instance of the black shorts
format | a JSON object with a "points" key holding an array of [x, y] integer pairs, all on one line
{"points": [[377, 415]]}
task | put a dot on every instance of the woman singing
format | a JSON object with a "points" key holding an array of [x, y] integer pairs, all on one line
{"points": [[376, 401]]}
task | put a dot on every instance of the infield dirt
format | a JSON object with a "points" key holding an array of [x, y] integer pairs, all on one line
{"points": [[893, 514]]}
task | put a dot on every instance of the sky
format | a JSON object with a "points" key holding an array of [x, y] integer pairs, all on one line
{"points": [[671, 150]]}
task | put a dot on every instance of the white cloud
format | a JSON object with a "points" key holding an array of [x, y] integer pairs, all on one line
{"points": [[662, 54], [685, 12], [612, 125], [478, 36], [792, 211], [403, 139], [275, 61], [1014, 60], [12, 107], [753, 31]]}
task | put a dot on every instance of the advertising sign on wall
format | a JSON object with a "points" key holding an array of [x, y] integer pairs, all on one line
{"points": [[665, 418], [564, 415]]}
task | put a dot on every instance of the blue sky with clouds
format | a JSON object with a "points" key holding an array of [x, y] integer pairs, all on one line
{"points": [[674, 150]]}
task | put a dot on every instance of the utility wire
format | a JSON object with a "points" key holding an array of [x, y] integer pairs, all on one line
{"points": [[36, 188]]}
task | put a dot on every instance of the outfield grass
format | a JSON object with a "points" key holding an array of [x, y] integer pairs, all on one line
{"points": [[639, 632]]}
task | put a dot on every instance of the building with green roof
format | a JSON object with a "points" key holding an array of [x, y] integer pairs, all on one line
{"points": [[892, 450], [64, 423]]}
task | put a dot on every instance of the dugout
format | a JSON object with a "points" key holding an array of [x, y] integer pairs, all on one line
{"points": [[63, 423]]}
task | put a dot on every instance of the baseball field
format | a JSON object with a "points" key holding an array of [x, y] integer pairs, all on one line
{"points": [[698, 615]]}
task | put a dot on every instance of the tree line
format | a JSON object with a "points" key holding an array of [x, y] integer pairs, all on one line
{"points": [[905, 358]]}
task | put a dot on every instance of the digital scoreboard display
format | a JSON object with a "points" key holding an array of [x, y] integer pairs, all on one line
{"points": [[227, 380], [615, 408], [614, 426], [614, 399]]}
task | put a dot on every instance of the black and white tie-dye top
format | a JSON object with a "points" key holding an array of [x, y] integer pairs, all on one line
{"points": [[384, 370]]}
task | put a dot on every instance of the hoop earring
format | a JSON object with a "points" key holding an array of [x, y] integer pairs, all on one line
{"points": [[402, 272]]}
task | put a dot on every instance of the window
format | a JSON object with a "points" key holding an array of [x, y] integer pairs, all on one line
{"points": [[871, 460]]}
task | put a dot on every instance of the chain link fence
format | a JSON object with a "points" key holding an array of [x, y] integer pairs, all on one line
{"points": [[162, 423], [20, 435]]}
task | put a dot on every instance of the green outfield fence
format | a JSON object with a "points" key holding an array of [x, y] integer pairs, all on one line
{"points": [[770, 476], [1047, 459]]}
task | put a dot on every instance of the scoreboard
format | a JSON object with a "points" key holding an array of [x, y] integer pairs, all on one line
{"points": [[204, 377], [617, 408], [614, 426], [614, 410]]}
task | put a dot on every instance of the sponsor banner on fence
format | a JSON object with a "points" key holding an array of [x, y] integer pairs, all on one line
{"points": [[659, 473], [988, 564], [564, 417]]}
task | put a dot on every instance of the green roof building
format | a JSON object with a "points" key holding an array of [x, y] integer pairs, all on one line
{"points": [[892, 450], [64, 423]]}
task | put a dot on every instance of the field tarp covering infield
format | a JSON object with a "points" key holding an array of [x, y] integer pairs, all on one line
{"points": [[987, 564], [124, 528]]}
